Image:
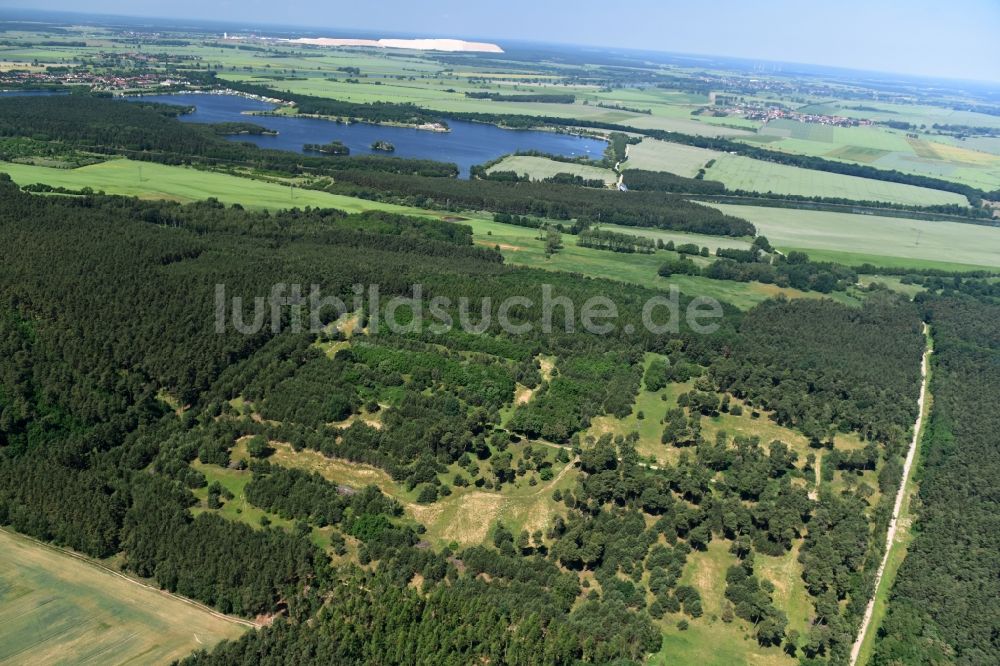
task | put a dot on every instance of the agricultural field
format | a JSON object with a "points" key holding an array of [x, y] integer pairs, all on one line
{"points": [[56, 608], [655, 155], [855, 239], [928, 154], [540, 168], [743, 173], [148, 180]]}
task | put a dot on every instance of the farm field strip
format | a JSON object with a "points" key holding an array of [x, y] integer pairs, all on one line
{"points": [[743, 173], [59, 608], [656, 155], [912, 242]]}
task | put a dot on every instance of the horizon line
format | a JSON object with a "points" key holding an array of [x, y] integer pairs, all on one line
{"points": [[515, 40]]}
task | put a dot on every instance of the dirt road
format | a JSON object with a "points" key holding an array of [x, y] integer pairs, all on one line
{"points": [[890, 535]]}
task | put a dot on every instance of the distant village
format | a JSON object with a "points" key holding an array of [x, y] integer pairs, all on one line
{"points": [[727, 106], [106, 82]]}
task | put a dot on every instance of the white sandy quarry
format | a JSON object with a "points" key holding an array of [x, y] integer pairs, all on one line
{"points": [[451, 45]]}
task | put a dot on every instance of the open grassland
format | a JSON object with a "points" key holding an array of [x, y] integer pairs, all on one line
{"points": [[709, 641], [655, 155], [540, 168], [744, 173], [58, 609], [854, 239], [158, 181], [650, 407]]}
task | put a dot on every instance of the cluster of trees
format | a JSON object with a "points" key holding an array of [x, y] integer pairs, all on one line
{"points": [[617, 150], [585, 387], [602, 239], [795, 270], [298, 495], [563, 178], [240, 128], [824, 367], [661, 181], [553, 201], [333, 148], [541, 98]]}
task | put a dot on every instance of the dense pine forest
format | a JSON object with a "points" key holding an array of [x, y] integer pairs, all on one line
{"points": [[116, 387], [943, 607], [123, 403]]}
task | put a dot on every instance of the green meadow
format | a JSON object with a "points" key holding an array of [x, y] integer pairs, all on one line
{"points": [[522, 246], [148, 180]]}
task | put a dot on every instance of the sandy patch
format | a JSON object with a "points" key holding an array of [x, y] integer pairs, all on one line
{"points": [[502, 246], [448, 45], [472, 518]]}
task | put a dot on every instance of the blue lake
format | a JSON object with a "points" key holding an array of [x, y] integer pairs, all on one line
{"points": [[466, 145]]}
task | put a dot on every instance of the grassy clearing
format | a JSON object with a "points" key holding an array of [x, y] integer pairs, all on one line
{"points": [[522, 247], [709, 641], [744, 173], [238, 509], [790, 594], [655, 155], [652, 405], [56, 608], [148, 180], [892, 282], [466, 515], [540, 168], [854, 239]]}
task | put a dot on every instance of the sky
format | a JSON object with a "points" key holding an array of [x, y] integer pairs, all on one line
{"points": [[950, 39]]}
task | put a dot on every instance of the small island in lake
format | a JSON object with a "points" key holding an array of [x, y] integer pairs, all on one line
{"points": [[240, 128], [384, 146], [332, 148]]}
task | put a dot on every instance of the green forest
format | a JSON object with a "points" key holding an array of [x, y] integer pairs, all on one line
{"points": [[443, 460]]}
